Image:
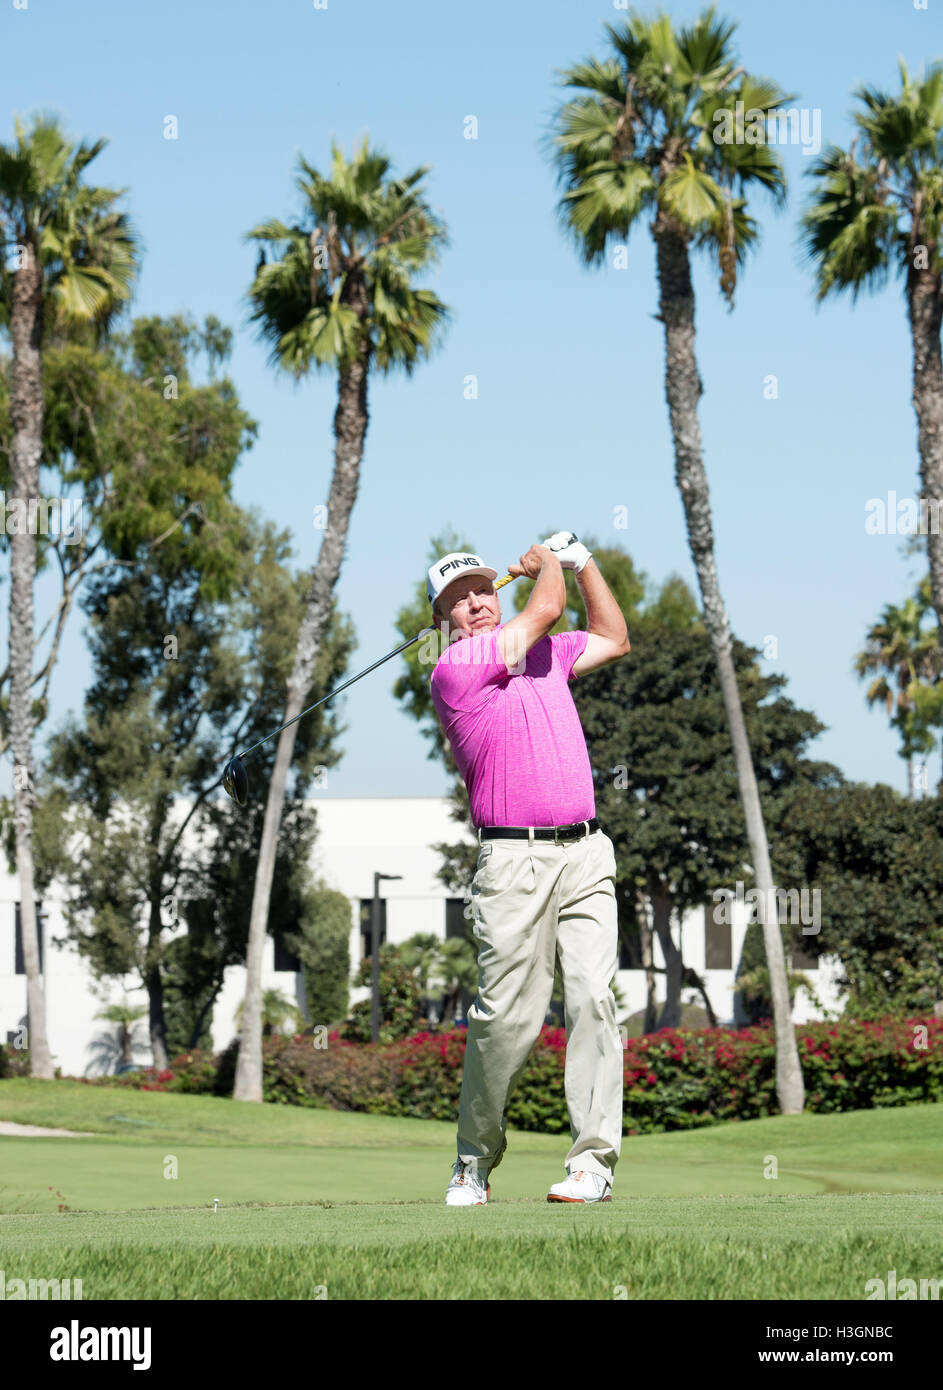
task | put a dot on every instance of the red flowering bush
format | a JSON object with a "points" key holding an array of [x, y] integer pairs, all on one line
{"points": [[674, 1079], [194, 1072]]}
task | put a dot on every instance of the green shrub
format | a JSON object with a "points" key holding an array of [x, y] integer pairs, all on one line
{"points": [[674, 1079], [14, 1061], [400, 1000], [322, 946]]}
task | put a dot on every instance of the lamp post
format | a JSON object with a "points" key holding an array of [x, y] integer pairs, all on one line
{"points": [[375, 956]]}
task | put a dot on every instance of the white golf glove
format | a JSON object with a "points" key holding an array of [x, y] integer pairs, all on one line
{"points": [[571, 553]]}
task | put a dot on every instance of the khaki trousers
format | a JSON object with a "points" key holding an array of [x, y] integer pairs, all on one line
{"points": [[532, 901]]}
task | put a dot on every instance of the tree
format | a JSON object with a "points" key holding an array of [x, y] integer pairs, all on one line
{"points": [[458, 969], [420, 954], [322, 945], [74, 260], [190, 981], [908, 657], [400, 1000], [449, 966], [138, 775], [124, 1016], [277, 1010], [664, 776], [878, 860], [154, 472], [655, 134], [144, 456], [876, 209], [341, 297]]}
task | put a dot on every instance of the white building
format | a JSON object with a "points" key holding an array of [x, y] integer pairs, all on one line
{"points": [[357, 837]]}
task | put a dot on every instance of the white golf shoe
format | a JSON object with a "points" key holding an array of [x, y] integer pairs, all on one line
{"points": [[467, 1187], [581, 1187]]}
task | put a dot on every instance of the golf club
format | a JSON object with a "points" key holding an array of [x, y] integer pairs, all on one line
{"points": [[235, 779]]}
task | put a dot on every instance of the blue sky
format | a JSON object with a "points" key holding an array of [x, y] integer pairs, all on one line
{"points": [[571, 420]]}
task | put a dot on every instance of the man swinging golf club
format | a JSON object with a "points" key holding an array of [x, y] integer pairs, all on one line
{"points": [[545, 879]]}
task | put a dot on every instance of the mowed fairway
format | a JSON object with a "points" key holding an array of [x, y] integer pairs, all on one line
{"points": [[351, 1206]]}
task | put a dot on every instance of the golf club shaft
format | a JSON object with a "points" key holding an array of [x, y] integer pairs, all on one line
{"points": [[389, 656]]}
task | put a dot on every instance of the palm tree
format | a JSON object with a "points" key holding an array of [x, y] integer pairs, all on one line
{"points": [[125, 1015], [908, 661], [420, 954], [458, 968], [879, 209], [658, 134], [73, 264], [277, 1009], [341, 297]]}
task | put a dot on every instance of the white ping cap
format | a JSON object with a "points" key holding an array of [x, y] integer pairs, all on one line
{"points": [[454, 566]]}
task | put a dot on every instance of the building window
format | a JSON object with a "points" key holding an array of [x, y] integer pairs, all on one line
{"points": [[456, 926], [366, 907], [284, 960], [718, 942], [803, 957], [19, 967]]}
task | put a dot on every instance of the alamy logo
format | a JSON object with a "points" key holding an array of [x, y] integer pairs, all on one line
{"points": [[75, 1343], [800, 125], [16, 1290], [788, 904], [902, 1289], [42, 516]]}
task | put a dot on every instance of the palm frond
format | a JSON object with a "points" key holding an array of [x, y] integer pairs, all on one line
{"points": [[706, 50], [88, 249], [692, 196], [644, 131], [379, 234], [607, 201], [850, 227], [905, 128], [603, 78]]}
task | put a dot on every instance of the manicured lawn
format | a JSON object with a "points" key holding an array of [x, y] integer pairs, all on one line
{"points": [[353, 1204]]}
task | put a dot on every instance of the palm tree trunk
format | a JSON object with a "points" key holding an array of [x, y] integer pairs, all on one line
{"points": [[925, 311], [154, 984], [648, 962], [692, 978], [683, 389], [350, 429], [26, 414], [674, 966]]}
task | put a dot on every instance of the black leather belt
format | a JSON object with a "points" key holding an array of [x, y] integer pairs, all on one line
{"points": [[557, 833]]}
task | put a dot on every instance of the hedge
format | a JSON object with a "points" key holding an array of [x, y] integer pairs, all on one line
{"points": [[674, 1079]]}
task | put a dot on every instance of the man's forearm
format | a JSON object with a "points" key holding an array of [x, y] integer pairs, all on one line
{"points": [[603, 614], [550, 588]]}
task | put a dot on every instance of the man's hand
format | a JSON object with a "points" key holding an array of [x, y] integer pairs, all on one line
{"points": [[531, 562], [568, 550]]}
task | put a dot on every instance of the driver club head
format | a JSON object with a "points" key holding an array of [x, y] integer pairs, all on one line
{"points": [[236, 782]]}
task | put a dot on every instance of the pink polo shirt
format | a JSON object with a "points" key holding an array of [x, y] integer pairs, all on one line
{"points": [[516, 739]]}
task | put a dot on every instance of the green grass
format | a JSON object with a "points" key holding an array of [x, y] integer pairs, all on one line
{"points": [[312, 1199]]}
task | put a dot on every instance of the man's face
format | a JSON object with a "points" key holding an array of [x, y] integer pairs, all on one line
{"points": [[470, 605]]}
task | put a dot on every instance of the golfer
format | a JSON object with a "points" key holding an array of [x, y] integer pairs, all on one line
{"points": [[545, 880]]}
